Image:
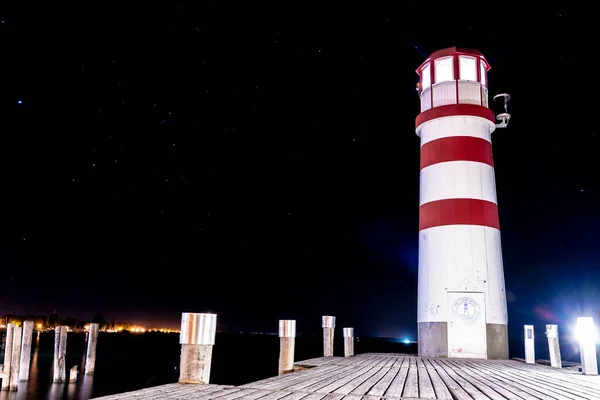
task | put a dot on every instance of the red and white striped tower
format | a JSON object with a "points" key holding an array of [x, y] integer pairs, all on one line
{"points": [[461, 295]]}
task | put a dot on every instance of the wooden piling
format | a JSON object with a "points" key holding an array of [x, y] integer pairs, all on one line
{"points": [[16, 358], [197, 338], [26, 351], [60, 352], [553, 346], [73, 374], [7, 357], [348, 342], [90, 359], [287, 344], [328, 332]]}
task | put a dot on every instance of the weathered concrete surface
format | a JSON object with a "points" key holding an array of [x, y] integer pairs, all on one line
{"points": [[432, 339], [497, 341]]}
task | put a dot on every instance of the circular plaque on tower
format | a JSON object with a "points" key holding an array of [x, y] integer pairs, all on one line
{"points": [[466, 310]]}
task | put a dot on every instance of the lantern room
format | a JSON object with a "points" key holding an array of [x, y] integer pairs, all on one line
{"points": [[453, 76]]}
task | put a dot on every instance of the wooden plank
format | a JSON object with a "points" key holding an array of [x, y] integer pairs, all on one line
{"points": [[510, 393], [296, 396], [455, 389], [397, 385], [275, 395], [333, 396], [476, 389], [313, 396], [253, 396], [280, 381], [234, 394], [213, 395], [381, 386], [317, 362], [570, 382], [439, 387], [364, 387], [390, 361], [318, 386], [166, 391], [313, 379], [411, 386], [426, 390], [550, 388], [354, 383], [523, 382], [400, 362], [523, 391], [329, 388]]}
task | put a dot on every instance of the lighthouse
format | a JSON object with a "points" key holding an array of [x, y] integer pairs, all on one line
{"points": [[461, 293]]}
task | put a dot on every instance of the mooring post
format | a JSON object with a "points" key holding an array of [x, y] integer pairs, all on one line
{"points": [[26, 351], [348, 342], [8, 347], [328, 328], [90, 358], [198, 331], [587, 336], [529, 345], [287, 344], [553, 346], [73, 374], [60, 352], [16, 358]]}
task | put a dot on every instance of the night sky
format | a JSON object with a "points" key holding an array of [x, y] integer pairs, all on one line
{"points": [[259, 159]]}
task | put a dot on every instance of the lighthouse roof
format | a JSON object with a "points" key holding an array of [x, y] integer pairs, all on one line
{"points": [[449, 51]]}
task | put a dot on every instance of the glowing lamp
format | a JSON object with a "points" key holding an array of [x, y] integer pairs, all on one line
{"points": [[587, 335]]}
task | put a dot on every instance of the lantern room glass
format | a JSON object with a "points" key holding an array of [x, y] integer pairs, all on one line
{"points": [[483, 73], [425, 77], [468, 68], [444, 69]]}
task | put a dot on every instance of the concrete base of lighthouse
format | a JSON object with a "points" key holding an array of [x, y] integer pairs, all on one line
{"points": [[497, 341], [433, 340]]}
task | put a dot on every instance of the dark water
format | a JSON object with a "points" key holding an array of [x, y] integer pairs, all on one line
{"points": [[126, 362]]}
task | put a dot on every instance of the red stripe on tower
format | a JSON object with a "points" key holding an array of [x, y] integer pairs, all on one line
{"points": [[458, 212], [451, 110], [456, 148]]}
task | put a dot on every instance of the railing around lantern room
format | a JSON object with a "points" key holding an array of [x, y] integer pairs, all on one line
{"points": [[454, 79]]}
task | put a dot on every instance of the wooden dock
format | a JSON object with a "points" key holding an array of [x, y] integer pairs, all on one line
{"points": [[374, 376]]}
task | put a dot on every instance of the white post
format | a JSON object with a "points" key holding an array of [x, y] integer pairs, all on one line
{"points": [[73, 374], [553, 346], [26, 351], [8, 347], [587, 336], [328, 329], [16, 358], [92, 341], [529, 345], [348, 342], [60, 352], [287, 344], [197, 338]]}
